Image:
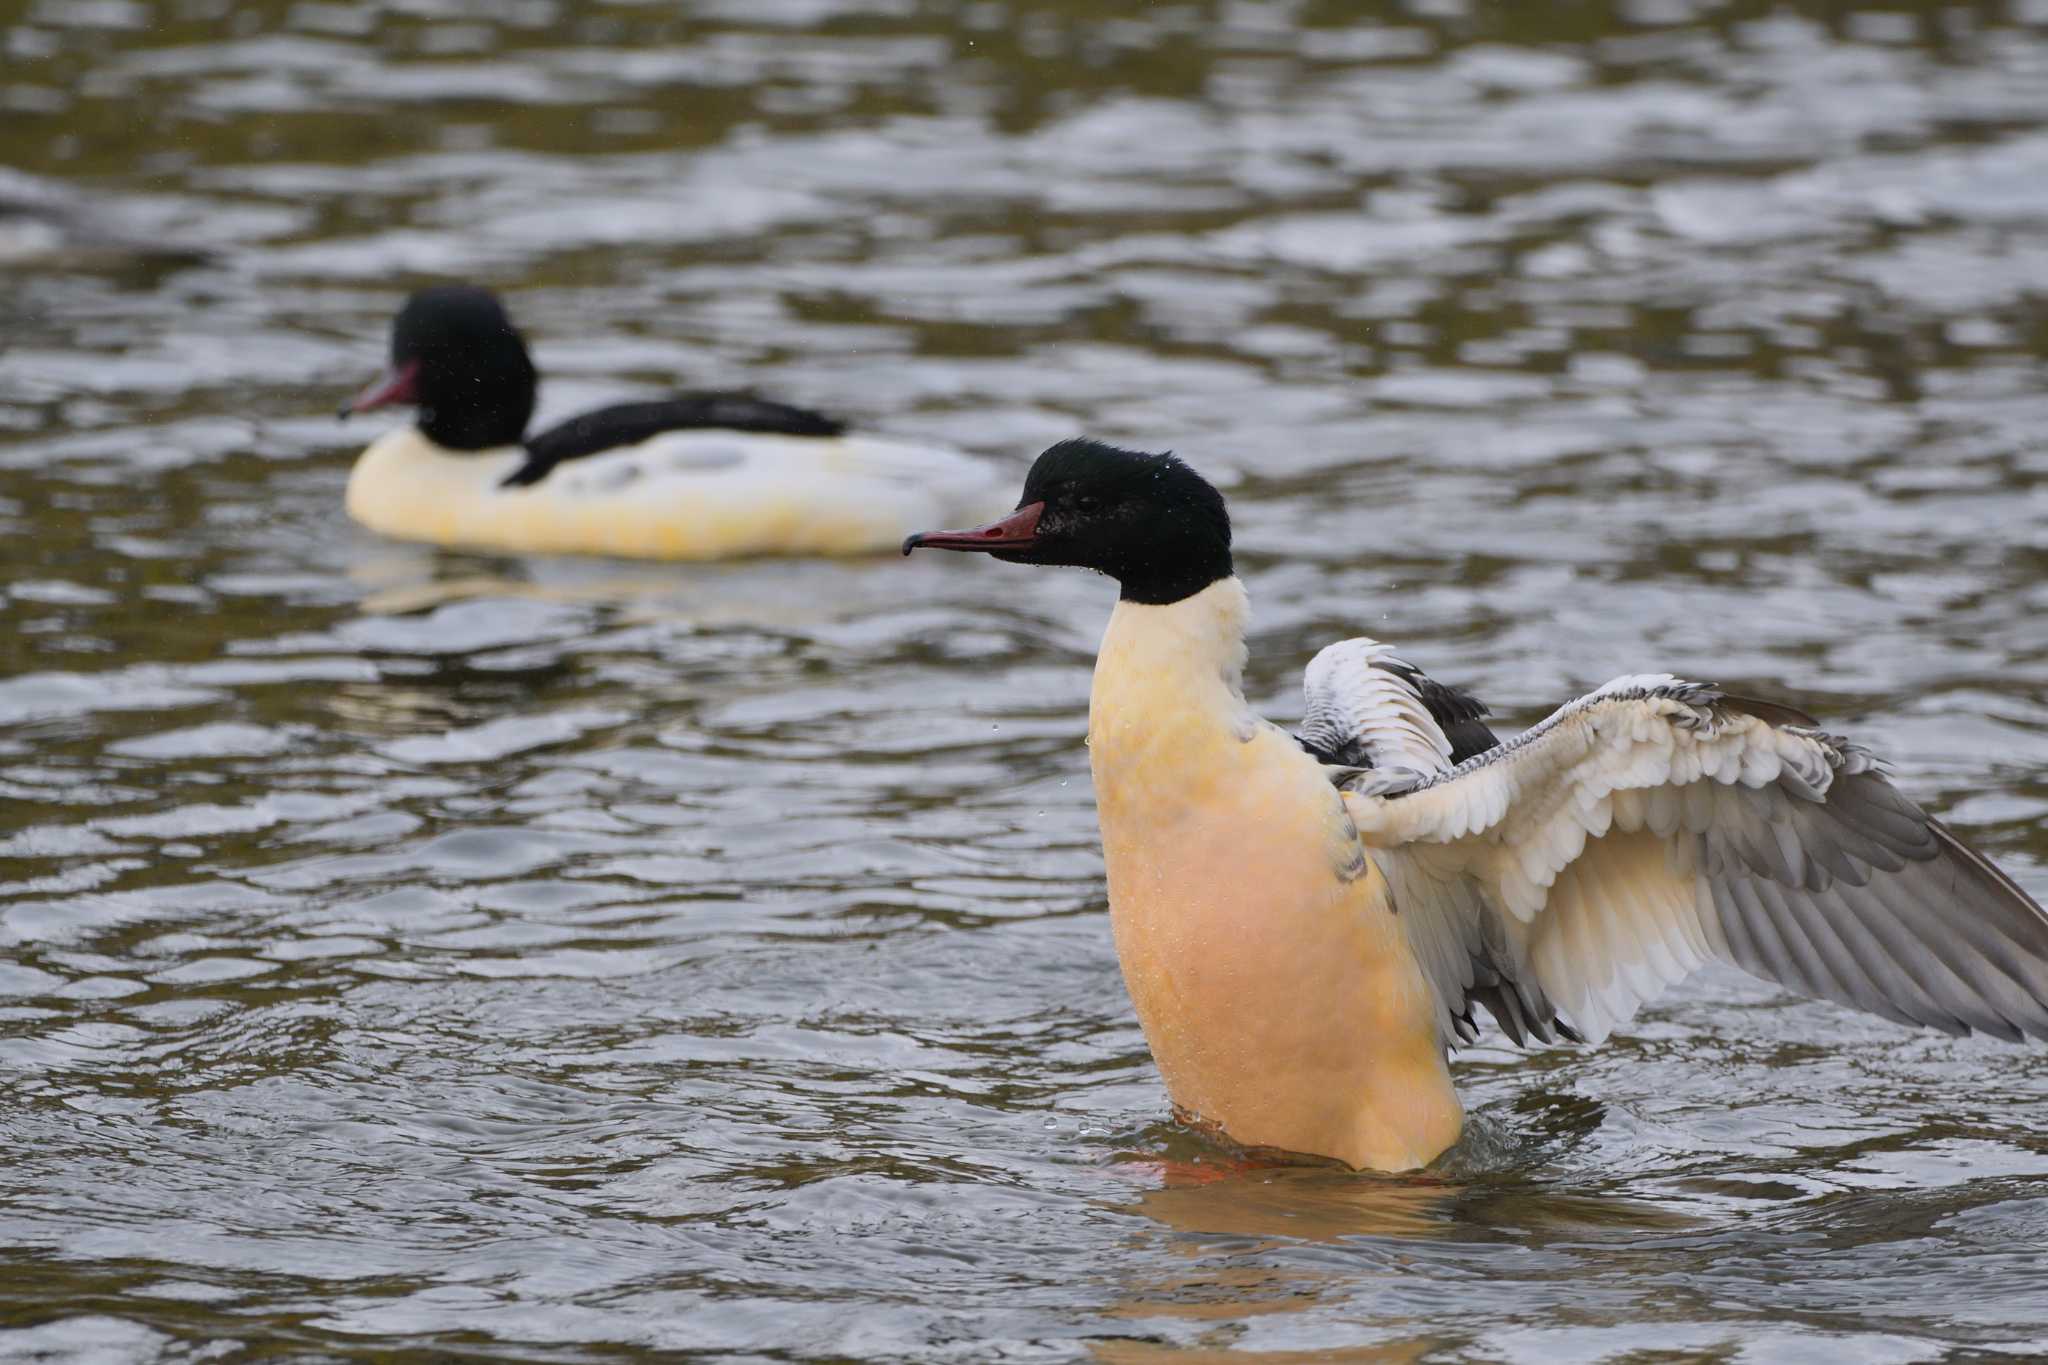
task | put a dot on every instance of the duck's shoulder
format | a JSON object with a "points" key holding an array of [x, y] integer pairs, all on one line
{"points": [[624, 425]]}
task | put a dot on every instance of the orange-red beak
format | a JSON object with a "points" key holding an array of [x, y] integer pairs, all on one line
{"points": [[401, 385], [1017, 531]]}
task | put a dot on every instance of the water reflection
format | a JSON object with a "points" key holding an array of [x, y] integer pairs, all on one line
{"points": [[1252, 1247]]}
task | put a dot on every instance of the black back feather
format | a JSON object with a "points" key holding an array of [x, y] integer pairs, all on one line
{"points": [[624, 424]]}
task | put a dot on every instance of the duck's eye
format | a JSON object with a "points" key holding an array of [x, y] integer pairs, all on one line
{"points": [[1085, 502]]}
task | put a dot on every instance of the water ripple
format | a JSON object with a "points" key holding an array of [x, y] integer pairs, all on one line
{"points": [[440, 954]]}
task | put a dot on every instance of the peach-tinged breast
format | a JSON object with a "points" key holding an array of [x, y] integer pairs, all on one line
{"points": [[1258, 946]]}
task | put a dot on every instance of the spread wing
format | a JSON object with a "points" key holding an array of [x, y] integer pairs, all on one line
{"points": [[624, 424], [1655, 825], [1369, 708]]}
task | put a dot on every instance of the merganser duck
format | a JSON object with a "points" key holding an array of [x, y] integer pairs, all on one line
{"points": [[698, 477], [1305, 922]]}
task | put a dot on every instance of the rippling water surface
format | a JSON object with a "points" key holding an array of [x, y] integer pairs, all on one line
{"points": [[420, 954]]}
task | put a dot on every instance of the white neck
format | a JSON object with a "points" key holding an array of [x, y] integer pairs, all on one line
{"points": [[1185, 659]]}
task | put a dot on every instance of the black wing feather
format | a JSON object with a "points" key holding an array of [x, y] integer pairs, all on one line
{"points": [[624, 424], [1456, 712]]}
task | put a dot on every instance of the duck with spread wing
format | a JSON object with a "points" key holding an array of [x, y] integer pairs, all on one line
{"points": [[1305, 923]]}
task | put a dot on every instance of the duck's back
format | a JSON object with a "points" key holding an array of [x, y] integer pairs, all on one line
{"points": [[682, 495]]}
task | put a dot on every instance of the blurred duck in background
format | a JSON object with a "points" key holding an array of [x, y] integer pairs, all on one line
{"points": [[696, 477]]}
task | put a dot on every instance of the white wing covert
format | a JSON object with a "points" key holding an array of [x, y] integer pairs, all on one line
{"points": [[1654, 825]]}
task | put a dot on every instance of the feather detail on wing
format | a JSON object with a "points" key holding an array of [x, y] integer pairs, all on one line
{"points": [[1369, 708], [1654, 825]]}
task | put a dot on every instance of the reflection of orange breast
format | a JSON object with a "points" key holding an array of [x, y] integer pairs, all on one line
{"points": [[1261, 955]]}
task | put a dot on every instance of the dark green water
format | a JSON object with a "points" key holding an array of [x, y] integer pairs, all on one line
{"points": [[412, 955]]}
